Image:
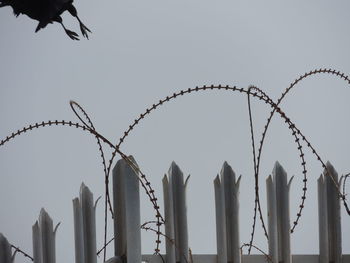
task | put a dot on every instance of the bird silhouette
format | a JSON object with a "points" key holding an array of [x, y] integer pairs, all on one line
{"points": [[46, 12]]}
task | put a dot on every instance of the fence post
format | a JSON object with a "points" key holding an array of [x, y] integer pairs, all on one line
{"points": [[221, 242], [44, 239], [278, 215], [175, 189], [329, 216], [272, 219], [169, 221], [5, 250], [85, 226], [126, 199], [227, 215]]}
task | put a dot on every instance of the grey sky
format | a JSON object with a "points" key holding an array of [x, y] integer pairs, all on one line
{"points": [[141, 51]]}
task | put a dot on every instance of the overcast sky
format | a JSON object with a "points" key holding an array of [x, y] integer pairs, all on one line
{"points": [[142, 51]]}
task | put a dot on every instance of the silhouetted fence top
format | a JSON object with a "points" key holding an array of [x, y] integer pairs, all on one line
{"points": [[127, 225]]}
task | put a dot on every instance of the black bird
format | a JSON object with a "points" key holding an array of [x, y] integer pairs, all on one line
{"points": [[46, 11]]}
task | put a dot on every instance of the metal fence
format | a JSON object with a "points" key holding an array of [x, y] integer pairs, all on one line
{"points": [[127, 227]]}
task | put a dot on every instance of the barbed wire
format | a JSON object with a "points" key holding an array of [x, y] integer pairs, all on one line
{"points": [[303, 198], [100, 137], [268, 258], [145, 183], [17, 249], [284, 94]]}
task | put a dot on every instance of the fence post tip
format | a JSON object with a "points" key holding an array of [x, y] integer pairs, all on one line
{"points": [[290, 182], [238, 181], [227, 170], [333, 173], [174, 168], [56, 227], [44, 215], [278, 168], [165, 179], [217, 180], [2, 237], [82, 186], [269, 179], [98, 199], [187, 179]]}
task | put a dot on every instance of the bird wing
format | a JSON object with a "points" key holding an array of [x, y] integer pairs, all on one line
{"points": [[57, 7], [50, 11]]}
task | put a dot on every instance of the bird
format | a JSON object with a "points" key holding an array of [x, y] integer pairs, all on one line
{"points": [[47, 12]]}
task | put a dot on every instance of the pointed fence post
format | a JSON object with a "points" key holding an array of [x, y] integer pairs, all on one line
{"points": [[44, 239], [227, 215], [169, 221], [278, 215], [176, 214], [126, 199], [85, 226], [221, 243], [329, 216], [5, 250], [272, 219]]}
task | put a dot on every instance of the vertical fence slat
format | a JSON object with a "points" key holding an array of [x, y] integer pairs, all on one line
{"points": [[46, 227], [5, 250], [333, 214], [231, 189], [282, 188], [272, 219], [178, 186], [85, 226], [119, 210], [169, 221], [89, 224], [221, 242], [44, 239], [322, 220], [127, 221], [127, 208], [37, 254], [78, 232]]}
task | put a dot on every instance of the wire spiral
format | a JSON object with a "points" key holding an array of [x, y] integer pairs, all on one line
{"points": [[86, 124]]}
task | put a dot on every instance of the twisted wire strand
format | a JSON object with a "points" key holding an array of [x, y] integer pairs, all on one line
{"points": [[144, 227], [104, 247], [269, 259], [74, 104], [18, 250], [257, 206], [344, 193], [257, 200]]}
